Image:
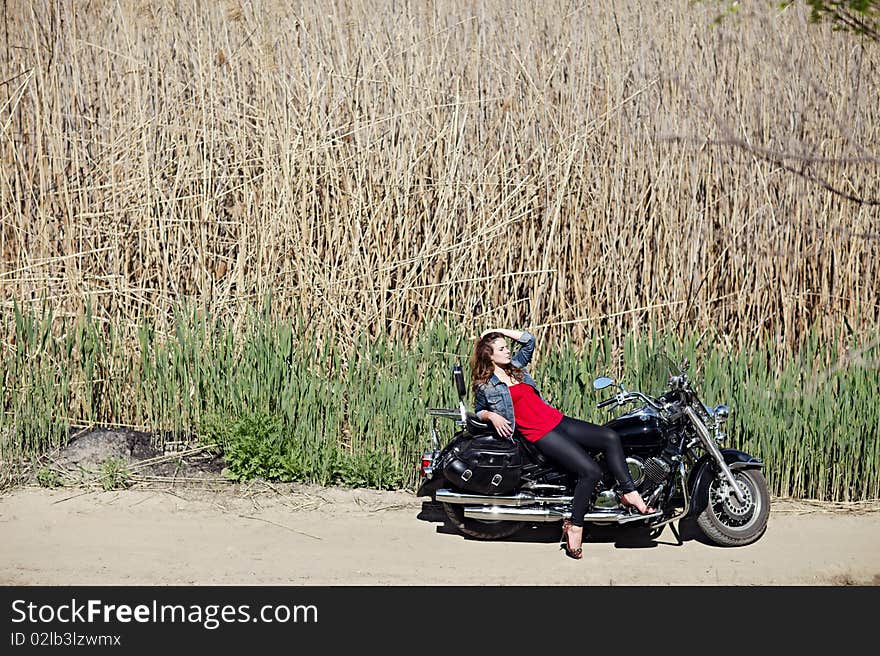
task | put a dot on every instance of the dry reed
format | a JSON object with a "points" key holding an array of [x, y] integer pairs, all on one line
{"points": [[551, 165]]}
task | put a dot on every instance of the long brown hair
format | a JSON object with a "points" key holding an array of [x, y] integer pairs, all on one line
{"points": [[482, 366]]}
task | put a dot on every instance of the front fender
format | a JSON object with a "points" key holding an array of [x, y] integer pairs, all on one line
{"points": [[704, 471]]}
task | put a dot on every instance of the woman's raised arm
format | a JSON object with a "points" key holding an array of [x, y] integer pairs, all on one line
{"points": [[507, 332]]}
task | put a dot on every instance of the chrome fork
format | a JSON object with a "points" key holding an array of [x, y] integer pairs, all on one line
{"points": [[712, 448]]}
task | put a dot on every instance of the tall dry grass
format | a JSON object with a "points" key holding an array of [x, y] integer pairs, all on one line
{"points": [[378, 163]]}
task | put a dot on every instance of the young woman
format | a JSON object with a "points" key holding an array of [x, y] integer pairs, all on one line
{"points": [[508, 398]]}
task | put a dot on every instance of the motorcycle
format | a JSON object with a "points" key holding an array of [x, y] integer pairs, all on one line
{"points": [[490, 487]]}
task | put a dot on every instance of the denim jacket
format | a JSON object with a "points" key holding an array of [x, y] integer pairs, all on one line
{"points": [[494, 395]]}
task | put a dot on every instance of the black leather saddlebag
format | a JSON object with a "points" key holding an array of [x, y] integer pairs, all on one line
{"points": [[483, 464]]}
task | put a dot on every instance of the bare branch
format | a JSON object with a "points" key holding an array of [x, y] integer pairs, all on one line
{"points": [[778, 159]]}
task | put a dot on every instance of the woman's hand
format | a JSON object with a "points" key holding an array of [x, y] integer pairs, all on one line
{"points": [[502, 426], [507, 332]]}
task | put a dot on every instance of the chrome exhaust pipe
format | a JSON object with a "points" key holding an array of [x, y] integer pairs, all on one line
{"points": [[634, 517], [523, 507], [513, 514], [522, 499]]}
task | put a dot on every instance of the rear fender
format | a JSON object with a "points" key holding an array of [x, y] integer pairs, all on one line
{"points": [[704, 471], [431, 485]]}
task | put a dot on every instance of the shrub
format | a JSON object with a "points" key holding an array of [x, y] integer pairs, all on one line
{"points": [[114, 474]]}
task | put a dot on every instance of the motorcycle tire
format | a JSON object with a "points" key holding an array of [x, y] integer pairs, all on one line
{"points": [[728, 524], [475, 528]]}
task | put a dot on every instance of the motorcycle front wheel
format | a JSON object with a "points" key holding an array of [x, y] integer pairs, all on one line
{"points": [[729, 523], [480, 529]]}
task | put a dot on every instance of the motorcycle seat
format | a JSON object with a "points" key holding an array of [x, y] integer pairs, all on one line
{"points": [[477, 427], [531, 450]]}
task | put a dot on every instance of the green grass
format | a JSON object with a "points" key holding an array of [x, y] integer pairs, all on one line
{"points": [[114, 474], [289, 405]]}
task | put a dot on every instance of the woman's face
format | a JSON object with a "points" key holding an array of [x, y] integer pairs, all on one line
{"points": [[500, 352]]}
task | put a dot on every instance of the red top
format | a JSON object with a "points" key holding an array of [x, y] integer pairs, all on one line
{"points": [[534, 418]]}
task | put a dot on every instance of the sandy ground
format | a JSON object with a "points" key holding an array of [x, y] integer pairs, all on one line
{"points": [[264, 535]]}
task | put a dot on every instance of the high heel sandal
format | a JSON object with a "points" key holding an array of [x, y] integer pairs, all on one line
{"points": [[578, 553], [566, 524], [644, 509]]}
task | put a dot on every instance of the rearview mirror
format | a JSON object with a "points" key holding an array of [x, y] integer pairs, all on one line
{"points": [[459, 381], [602, 383]]}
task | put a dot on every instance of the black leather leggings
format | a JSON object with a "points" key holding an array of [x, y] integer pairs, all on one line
{"points": [[566, 445]]}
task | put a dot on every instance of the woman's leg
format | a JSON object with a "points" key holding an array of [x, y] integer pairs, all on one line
{"points": [[600, 438], [591, 436], [571, 457]]}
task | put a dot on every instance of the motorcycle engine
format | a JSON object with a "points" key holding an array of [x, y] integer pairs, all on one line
{"points": [[646, 474], [655, 470]]}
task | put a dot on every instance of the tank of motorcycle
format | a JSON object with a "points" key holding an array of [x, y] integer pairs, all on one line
{"points": [[638, 430]]}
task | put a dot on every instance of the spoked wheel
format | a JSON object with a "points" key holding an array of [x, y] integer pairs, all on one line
{"points": [[479, 528], [729, 523]]}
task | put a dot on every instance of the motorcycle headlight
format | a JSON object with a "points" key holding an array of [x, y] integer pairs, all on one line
{"points": [[721, 413]]}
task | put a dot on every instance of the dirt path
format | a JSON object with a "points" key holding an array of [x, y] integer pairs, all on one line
{"points": [[255, 534]]}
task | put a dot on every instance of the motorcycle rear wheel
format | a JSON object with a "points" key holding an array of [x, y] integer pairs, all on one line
{"points": [[475, 528], [725, 521]]}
